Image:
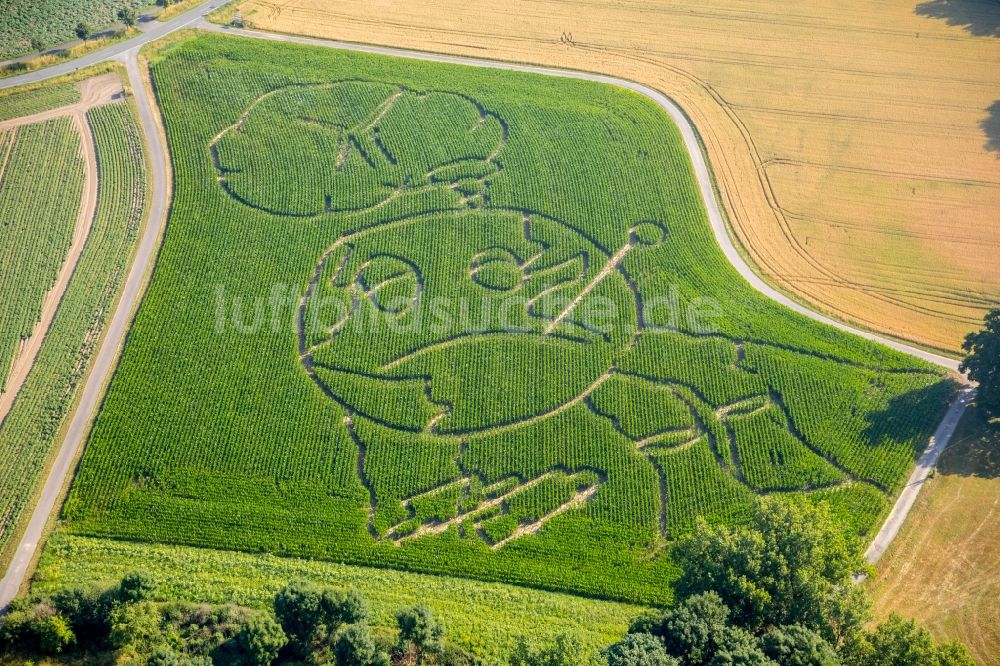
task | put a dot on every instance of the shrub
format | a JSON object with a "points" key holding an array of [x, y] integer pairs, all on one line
{"points": [[261, 638], [417, 627], [356, 647], [640, 650]]}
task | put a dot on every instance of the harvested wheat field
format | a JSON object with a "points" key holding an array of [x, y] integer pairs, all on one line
{"points": [[857, 147], [942, 569]]}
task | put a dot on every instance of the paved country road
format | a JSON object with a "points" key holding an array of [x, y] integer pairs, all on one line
{"points": [[104, 364]]}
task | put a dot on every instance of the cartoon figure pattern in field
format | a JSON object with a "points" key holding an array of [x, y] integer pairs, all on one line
{"points": [[442, 323]]}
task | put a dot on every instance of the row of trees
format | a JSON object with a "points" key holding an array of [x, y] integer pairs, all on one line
{"points": [[778, 592], [308, 625]]}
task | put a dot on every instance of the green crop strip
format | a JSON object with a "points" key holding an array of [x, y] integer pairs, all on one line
{"points": [[31, 428], [25, 103], [373, 336], [41, 181]]}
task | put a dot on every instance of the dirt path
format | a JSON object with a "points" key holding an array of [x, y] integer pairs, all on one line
{"points": [[93, 92]]}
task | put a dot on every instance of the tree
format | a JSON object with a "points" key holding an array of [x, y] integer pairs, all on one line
{"points": [[37, 44], [136, 627], [261, 638], [899, 642], [794, 645], [418, 628], [983, 362], [356, 647], [340, 608], [127, 16], [83, 31], [790, 567], [87, 611], [136, 587], [164, 3], [640, 650], [299, 609], [738, 647], [54, 634]]}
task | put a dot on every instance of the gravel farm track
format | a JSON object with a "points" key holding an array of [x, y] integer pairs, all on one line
{"points": [[139, 272]]}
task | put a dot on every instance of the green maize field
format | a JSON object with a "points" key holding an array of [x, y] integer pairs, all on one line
{"points": [[467, 322]]}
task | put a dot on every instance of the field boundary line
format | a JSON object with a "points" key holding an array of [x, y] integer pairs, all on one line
{"points": [[925, 465]]}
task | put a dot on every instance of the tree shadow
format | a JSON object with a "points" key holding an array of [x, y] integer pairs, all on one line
{"points": [[910, 416], [975, 448], [991, 126], [979, 17]]}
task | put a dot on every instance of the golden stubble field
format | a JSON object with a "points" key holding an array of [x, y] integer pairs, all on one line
{"points": [[942, 568], [856, 145]]}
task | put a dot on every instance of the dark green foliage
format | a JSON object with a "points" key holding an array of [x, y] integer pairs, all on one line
{"points": [[135, 587], [983, 362], [127, 16], [299, 610], [698, 632], [794, 645], [640, 650], [164, 656], [35, 627], [136, 627], [83, 30], [899, 642], [87, 610], [418, 628], [343, 608], [789, 568], [696, 628], [261, 638], [739, 648], [54, 634], [356, 646]]}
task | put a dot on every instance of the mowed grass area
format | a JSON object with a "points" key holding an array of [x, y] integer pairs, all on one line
{"points": [[466, 322], [31, 429], [855, 144], [485, 618], [942, 570]]}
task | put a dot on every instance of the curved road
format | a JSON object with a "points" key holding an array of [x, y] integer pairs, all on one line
{"points": [[104, 363]]}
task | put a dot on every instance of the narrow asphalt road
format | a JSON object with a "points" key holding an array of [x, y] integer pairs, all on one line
{"points": [[104, 363]]}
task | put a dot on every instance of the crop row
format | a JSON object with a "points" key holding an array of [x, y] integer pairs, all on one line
{"points": [[31, 429], [42, 183]]}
